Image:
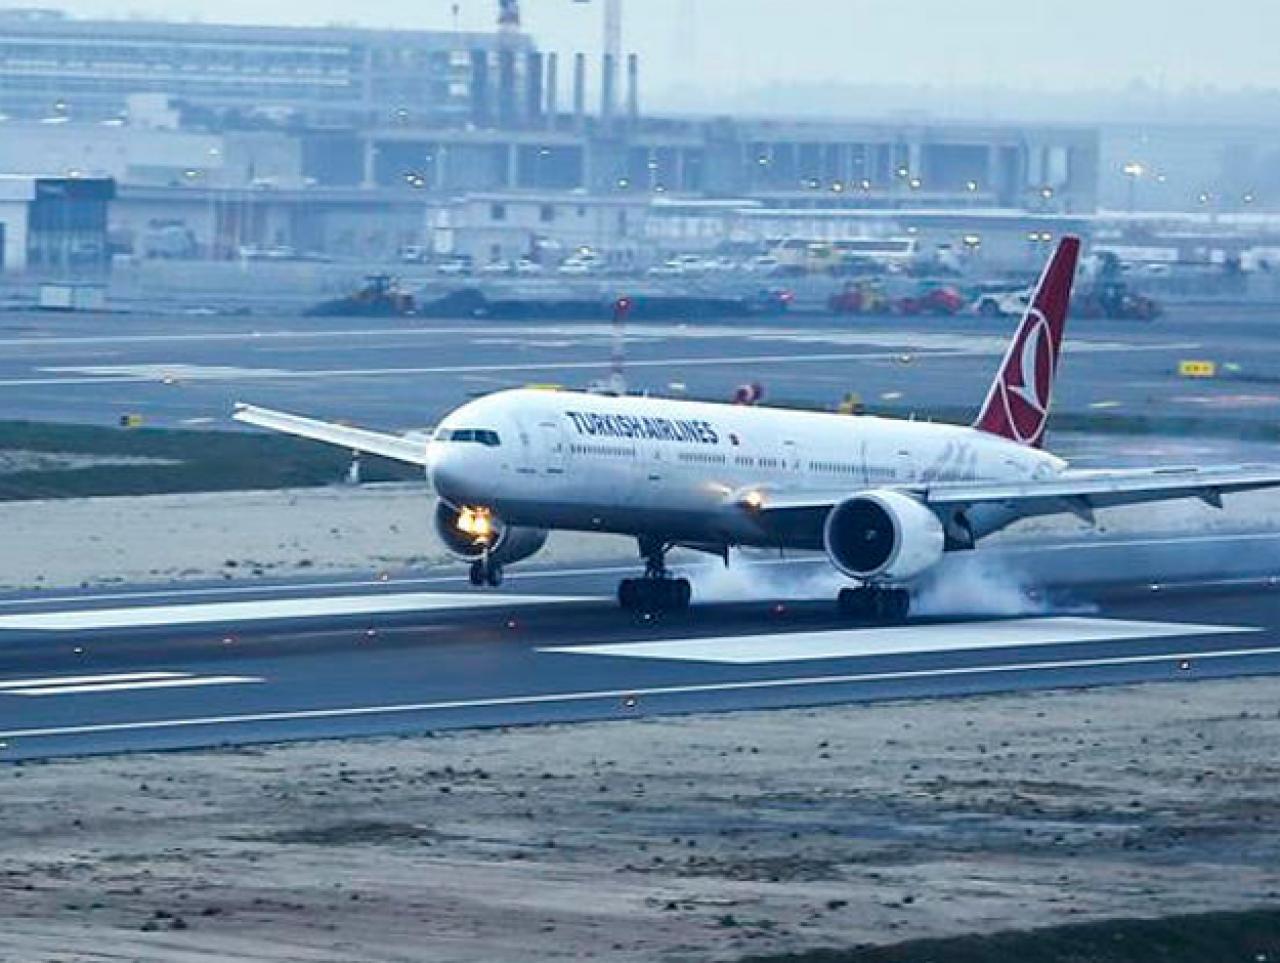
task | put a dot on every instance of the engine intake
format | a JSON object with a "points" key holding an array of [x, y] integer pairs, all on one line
{"points": [[883, 536], [469, 532]]}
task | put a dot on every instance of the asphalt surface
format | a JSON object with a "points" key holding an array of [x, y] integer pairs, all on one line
{"points": [[165, 668], [187, 370]]}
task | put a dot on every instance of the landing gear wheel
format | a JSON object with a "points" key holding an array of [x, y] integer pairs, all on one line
{"points": [[657, 591], [653, 595], [855, 602], [893, 605], [629, 594], [871, 604], [484, 572]]}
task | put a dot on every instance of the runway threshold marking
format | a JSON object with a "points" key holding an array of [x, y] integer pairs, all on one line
{"points": [[116, 682], [302, 715], [895, 640], [202, 613]]}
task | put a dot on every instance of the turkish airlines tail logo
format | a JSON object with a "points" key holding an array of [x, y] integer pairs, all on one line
{"points": [[1017, 406]]}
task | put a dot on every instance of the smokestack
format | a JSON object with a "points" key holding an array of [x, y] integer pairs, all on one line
{"points": [[608, 96], [509, 15], [480, 88], [508, 109], [579, 90], [533, 88], [553, 89], [633, 89]]}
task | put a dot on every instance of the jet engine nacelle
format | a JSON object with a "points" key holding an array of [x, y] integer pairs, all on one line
{"points": [[883, 536], [468, 532]]}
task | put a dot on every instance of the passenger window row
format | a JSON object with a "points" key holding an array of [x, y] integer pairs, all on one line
{"points": [[606, 451]]}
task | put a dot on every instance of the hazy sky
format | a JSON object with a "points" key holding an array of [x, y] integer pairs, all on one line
{"points": [[738, 45]]}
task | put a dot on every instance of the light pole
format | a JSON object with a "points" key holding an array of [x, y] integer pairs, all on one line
{"points": [[1133, 170], [215, 160]]}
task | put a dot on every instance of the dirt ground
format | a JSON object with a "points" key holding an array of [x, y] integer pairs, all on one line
{"points": [[239, 536], [707, 838]]}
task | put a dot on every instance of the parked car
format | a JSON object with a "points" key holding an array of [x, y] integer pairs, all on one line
{"points": [[577, 267], [760, 264], [1002, 304], [720, 265], [1115, 302], [692, 264], [943, 300], [454, 267]]}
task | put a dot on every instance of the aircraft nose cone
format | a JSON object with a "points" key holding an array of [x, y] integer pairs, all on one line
{"points": [[443, 470]]}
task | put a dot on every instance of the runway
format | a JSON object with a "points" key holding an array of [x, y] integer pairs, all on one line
{"points": [[183, 371], [164, 668]]}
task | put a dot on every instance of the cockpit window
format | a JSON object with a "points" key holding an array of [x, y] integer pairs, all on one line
{"points": [[479, 436]]}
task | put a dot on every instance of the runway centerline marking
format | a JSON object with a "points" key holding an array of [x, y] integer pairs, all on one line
{"points": [[204, 613], [116, 682], [301, 715], [895, 640]]}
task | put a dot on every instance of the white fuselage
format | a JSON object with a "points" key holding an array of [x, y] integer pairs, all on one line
{"points": [[679, 470]]}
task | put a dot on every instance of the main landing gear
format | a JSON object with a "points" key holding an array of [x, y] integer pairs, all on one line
{"points": [[875, 604], [485, 571], [658, 591]]}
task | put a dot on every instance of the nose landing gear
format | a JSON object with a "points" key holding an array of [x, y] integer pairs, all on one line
{"points": [[875, 604], [658, 591], [485, 571]]}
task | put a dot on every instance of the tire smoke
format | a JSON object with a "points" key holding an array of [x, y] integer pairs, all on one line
{"points": [[962, 585]]}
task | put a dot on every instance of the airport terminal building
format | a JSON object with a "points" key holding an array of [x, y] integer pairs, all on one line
{"points": [[359, 143]]}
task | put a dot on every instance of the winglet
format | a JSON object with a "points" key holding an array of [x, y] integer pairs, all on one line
{"points": [[1017, 406]]}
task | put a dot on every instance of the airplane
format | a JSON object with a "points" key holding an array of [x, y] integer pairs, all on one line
{"points": [[884, 499]]}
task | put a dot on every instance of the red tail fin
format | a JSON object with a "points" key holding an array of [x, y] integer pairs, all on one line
{"points": [[1017, 407]]}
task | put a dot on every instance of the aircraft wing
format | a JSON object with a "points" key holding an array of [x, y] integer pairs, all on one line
{"points": [[395, 447], [1077, 493], [1086, 490]]}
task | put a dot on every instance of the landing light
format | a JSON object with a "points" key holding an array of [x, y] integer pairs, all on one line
{"points": [[476, 522], [753, 500]]}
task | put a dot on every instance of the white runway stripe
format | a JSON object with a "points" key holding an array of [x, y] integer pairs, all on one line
{"points": [[115, 682], [267, 609], [89, 679], [91, 688], [897, 640]]}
